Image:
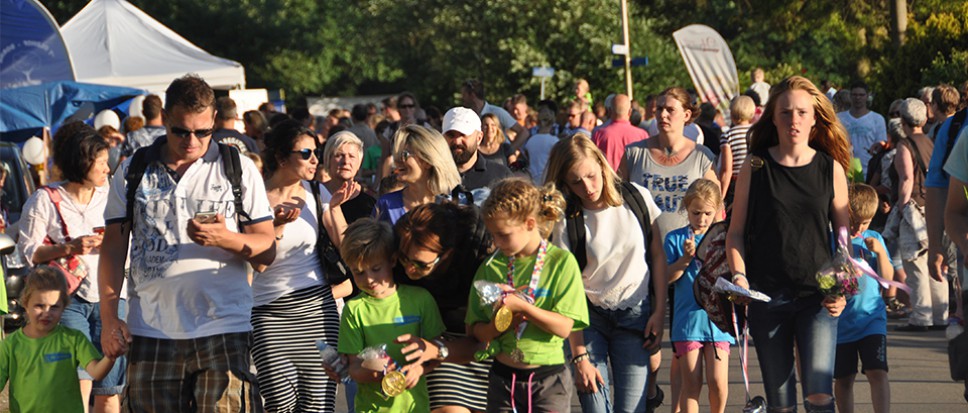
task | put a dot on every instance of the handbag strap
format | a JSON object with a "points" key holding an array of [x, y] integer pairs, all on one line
{"points": [[322, 241], [56, 199]]}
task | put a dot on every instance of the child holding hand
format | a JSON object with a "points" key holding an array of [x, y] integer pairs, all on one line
{"points": [[697, 342], [41, 359]]}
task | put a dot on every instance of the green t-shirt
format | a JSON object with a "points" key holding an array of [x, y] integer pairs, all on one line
{"points": [[43, 371], [560, 290], [371, 158], [369, 321]]}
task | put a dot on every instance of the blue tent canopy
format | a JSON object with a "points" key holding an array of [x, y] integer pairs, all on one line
{"points": [[24, 111]]}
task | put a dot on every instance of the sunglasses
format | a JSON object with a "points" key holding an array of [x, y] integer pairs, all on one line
{"points": [[184, 133], [422, 266], [404, 155], [307, 153], [406, 106]]}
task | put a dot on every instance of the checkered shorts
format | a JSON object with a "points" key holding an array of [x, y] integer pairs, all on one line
{"points": [[208, 374]]}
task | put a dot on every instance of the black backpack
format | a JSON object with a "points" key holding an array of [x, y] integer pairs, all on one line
{"points": [[145, 156], [576, 222]]}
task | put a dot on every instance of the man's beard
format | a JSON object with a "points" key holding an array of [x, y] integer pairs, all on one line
{"points": [[463, 157]]}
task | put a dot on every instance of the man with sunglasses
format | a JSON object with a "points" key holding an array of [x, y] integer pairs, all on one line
{"points": [[189, 300]]}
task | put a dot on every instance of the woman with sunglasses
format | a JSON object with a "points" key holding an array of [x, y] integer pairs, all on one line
{"points": [[423, 163], [293, 305], [440, 247], [342, 158]]}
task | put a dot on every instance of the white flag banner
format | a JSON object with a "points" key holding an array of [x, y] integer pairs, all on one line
{"points": [[710, 64]]}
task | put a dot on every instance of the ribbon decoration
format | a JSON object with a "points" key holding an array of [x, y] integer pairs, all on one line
{"points": [[863, 268]]}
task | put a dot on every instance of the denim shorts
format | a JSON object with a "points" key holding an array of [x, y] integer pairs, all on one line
{"points": [[85, 317]]}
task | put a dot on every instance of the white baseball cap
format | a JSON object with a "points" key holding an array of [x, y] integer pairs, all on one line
{"points": [[463, 120]]}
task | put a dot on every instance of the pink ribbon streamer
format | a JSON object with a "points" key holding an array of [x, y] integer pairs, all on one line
{"points": [[865, 268]]}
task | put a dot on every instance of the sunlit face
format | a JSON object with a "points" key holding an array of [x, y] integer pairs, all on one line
{"points": [[419, 262], [463, 147], [701, 215], [98, 174], [574, 117], [585, 180], [794, 116], [44, 310], [520, 111], [511, 236], [345, 162], [376, 278], [490, 127], [409, 168], [296, 161], [192, 146], [670, 116]]}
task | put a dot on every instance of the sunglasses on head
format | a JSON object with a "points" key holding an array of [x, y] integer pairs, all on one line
{"points": [[422, 266], [184, 133], [308, 153]]}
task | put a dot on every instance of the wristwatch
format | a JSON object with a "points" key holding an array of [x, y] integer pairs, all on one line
{"points": [[442, 351]]}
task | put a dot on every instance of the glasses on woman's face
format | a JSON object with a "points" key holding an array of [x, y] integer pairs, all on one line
{"points": [[307, 153], [404, 155], [418, 265]]}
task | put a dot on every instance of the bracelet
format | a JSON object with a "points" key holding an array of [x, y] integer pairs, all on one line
{"points": [[579, 358], [279, 238], [737, 275]]}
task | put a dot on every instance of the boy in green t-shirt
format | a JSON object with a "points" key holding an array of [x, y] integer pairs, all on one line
{"points": [[384, 314], [41, 359]]}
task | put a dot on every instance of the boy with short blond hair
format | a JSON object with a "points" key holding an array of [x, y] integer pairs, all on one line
{"points": [[383, 314], [862, 328]]}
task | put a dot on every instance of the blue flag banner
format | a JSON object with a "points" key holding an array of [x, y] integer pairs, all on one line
{"points": [[32, 50]]}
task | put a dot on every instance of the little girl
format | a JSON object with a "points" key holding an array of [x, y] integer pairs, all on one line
{"points": [[41, 359], [694, 337], [529, 373]]}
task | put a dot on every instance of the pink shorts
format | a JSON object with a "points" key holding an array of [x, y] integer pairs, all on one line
{"points": [[683, 347]]}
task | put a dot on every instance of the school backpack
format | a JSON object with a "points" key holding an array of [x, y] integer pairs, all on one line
{"points": [[145, 156], [712, 254], [576, 222]]}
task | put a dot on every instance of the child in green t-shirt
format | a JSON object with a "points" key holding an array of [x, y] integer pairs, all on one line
{"points": [[544, 293], [41, 359], [386, 314]]}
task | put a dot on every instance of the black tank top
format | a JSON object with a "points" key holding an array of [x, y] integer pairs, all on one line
{"points": [[788, 224]]}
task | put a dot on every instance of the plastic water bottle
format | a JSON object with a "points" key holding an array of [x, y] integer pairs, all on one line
{"points": [[954, 328], [333, 361]]}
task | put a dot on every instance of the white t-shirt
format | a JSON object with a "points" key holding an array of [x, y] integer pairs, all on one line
{"points": [[616, 275], [538, 148], [297, 265], [39, 220], [177, 288], [863, 132]]}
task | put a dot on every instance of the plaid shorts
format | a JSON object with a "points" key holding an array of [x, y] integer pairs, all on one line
{"points": [[208, 374]]}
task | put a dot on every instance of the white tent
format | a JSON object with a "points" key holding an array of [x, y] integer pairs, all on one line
{"points": [[112, 42]]}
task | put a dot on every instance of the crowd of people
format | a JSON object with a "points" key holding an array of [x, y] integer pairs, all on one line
{"points": [[476, 259]]}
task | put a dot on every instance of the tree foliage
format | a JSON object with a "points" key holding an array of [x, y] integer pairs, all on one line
{"points": [[346, 47]]}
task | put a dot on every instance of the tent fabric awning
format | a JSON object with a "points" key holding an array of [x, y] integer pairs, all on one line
{"points": [[113, 42]]}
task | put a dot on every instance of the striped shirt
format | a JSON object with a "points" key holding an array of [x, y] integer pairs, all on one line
{"points": [[736, 140]]}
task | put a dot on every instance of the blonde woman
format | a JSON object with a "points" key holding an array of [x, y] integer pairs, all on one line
{"points": [[423, 163], [615, 279], [495, 145]]}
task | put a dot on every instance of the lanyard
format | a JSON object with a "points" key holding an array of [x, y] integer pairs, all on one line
{"points": [[539, 263]]}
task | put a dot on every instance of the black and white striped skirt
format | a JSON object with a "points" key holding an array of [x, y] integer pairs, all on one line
{"points": [[291, 378], [462, 385]]}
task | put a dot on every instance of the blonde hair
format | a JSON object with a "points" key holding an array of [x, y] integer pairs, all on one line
{"points": [[43, 278], [365, 241], [863, 201], [570, 151], [336, 141], [704, 190], [500, 131], [430, 146], [742, 109], [517, 199]]}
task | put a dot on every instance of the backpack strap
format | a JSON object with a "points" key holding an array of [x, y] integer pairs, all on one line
{"points": [[233, 171], [633, 197], [957, 121], [136, 171], [575, 221]]}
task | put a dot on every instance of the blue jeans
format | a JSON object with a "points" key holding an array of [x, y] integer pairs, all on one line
{"points": [[616, 336], [775, 327], [85, 317]]}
